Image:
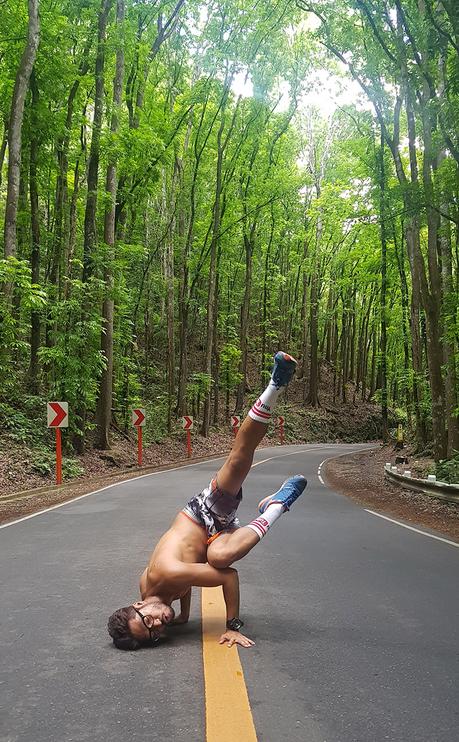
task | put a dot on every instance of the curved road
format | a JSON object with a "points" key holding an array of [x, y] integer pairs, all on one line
{"points": [[355, 620]]}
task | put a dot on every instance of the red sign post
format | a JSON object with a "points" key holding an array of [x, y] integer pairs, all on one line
{"points": [[187, 424], [58, 417], [138, 421], [235, 424], [281, 421]]}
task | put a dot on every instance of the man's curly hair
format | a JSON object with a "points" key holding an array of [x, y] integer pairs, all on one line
{"points": [[118, 628]]}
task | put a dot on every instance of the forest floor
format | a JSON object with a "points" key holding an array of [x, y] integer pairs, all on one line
{"points": [[361, 476]]}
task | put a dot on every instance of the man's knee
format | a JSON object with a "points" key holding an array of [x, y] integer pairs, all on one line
{"points": [[219, 556]]}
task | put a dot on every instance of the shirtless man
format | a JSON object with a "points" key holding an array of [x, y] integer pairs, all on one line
{"points": [[206, 537]]}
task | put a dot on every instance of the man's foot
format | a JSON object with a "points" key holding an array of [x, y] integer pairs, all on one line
{"points": [[289, 491], [284, 368]]}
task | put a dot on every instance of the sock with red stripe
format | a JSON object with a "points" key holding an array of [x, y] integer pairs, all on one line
{"points": [[261, 411], [263, 523]]}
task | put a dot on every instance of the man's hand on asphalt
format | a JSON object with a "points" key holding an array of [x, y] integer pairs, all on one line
{"points": [[235, 637]]}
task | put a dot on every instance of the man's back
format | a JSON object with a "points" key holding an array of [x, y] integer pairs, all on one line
{"points": [[184, 542]]}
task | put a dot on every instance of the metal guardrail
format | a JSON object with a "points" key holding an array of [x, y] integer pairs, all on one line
{"points": [[431, 487]]}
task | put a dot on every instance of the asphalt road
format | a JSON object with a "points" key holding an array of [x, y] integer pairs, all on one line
{"points": [[356, 620]]}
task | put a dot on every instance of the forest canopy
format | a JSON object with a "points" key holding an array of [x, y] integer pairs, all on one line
{"points": [[187, 187]]}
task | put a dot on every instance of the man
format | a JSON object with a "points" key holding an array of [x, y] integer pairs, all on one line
{"points": [[206, 537]]}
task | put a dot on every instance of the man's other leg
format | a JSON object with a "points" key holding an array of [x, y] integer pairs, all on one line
{"points": [[236, 467], [229, 547]]}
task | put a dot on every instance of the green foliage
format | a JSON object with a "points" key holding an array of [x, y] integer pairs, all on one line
{"points": [[300, 209], [448, 470], [44, 463], [230, 357], [24, 421]]}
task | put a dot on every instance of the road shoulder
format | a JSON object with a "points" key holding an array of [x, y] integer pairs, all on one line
{"points": [[361, 477]]}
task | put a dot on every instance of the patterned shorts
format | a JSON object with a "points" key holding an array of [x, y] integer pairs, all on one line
{"points": [[214, 509]]}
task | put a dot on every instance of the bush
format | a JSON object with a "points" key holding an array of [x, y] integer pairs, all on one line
{"points": [[23, 426], [71, 468], [45, 464], [448, 469]]}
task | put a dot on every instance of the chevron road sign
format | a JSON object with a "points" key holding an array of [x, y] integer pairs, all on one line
{"points": [[187, 422], [138, 421], [138, 417], [235, 423], [58, 414], [58, 417]]}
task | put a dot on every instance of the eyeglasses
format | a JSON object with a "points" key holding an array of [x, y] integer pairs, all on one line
{"points": [[153, 638]]}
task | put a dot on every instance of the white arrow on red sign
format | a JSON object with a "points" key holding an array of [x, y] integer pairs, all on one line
{"points": [[281, 419], [235, 421], [138, 417], [187, 422], [58, 414]]}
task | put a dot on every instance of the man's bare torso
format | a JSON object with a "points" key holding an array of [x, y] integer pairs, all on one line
{"points": [[184, 542]]}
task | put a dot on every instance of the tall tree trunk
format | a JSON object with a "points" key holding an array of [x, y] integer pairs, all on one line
{"points": [[383, 357], [15, 129], [313, 388], [170, 303], [216, 356], [450, 303], [90, 223], [406, 389], [264, 311], [212, 297], [90, 226], [35, 229], [61, 212], [105, 397], [432, 294], [245, 311], [3, 148]]}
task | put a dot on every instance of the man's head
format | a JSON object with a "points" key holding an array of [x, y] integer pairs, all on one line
{"points": [[141, 623]]}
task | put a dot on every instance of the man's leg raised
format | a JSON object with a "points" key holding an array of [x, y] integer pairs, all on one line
{"points": [[236, 467]]}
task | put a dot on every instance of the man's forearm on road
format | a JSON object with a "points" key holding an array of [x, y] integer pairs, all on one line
{"points": [[185, 602], [231, 594]]}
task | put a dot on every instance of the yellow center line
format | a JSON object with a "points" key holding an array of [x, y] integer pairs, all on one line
{"points": [[228, 713]]}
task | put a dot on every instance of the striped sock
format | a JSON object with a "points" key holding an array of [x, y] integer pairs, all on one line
{"points": [[261, 411], [263, 523]]}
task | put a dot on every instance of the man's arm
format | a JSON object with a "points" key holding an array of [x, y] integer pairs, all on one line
{"points": [[204, 575], [200, 575], [185, 602]]}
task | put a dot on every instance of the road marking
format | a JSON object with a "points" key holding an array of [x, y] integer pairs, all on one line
{"points": [[410, 528], [292, 453], [228, 712], [321, 480], [223, 677]]}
